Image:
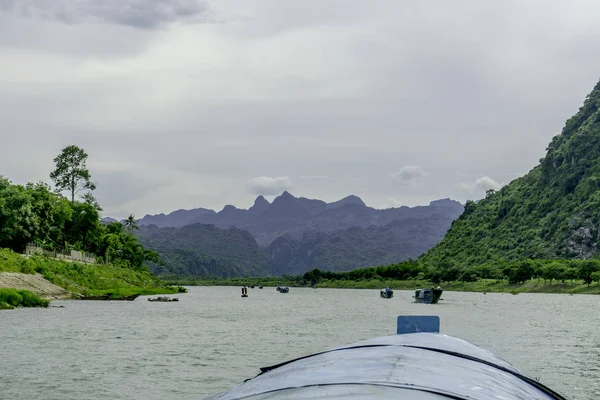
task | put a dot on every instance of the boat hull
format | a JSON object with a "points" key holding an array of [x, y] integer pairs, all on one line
{"points": [[417, 366], [428, 296]]}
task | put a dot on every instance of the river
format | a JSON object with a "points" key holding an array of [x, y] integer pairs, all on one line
{"points": [[213, 339]]}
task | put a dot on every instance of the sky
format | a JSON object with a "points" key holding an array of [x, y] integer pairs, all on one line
{"points": [[189, 103]]}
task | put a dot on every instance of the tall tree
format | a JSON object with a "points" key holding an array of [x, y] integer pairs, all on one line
{"points": [[130, 223], [71, 173]]}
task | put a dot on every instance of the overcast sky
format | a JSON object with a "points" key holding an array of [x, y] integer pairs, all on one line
{"points": [[185, 103]]}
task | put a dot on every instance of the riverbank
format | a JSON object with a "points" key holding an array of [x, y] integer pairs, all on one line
{"points": [[75, 278], [482, 285], [12, 298]]}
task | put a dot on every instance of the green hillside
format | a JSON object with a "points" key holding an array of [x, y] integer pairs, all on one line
{"points": [[552, 212], [205, 250]]}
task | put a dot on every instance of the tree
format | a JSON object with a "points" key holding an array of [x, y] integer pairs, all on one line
{"points": [[71, 173], [89, 198], [595, 277], [586, 269], [130, 223]]}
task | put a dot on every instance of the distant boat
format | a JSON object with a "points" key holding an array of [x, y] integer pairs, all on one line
{"points": [[260, 287], [283, 289], [128, 298], [417, 363], [428, 296], [164, 299], [386, 293], [101, 297]]}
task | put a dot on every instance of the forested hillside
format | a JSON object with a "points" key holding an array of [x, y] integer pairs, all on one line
{"points": [[205, 250], [552, 212]]}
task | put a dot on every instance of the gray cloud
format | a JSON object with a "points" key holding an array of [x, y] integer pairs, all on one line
{"points": [[317, 178], [408, 174], [142, 14], [269, 186], [189, 113]]}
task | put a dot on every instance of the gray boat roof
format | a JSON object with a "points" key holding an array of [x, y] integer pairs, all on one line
{"points": [[419, 366]]}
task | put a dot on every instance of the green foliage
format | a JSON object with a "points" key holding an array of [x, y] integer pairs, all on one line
{"points": [[85, 278], [71, 173], [10, 298], [549, 213], [33, 213], [205, 250]]}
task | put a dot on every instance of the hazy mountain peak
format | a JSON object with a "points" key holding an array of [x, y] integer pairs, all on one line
{"points": [[445, 203], [260, 204], [352, 199], [228, 208]]}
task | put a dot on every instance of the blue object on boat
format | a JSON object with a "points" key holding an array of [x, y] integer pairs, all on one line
{"points": [[418, 323], [415, 366]]}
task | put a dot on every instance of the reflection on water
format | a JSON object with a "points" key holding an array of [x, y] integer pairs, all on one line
{"points": [[213, 339]]}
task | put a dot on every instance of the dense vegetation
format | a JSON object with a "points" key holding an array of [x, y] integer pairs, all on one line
{"points": [[549, 276], [552, 212], [11, 298], [205, 250], [33, 213], [85, 278]]}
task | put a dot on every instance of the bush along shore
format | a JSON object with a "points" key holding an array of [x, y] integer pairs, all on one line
{"points": [[532, 276], [11, 298], [87, 279], [38, 220]]}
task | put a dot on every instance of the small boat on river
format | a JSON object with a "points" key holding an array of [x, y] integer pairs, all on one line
{"points": [[127, 298], [386, 293], [428, 296], [283, 289], [418, 363], [163, 299], [108, 296], [101, 297]]}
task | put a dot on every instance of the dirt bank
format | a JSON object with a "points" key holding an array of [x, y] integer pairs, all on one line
{"points": [[35, 283]]}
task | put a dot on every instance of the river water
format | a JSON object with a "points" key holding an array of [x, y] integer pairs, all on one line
{"points": [[213, 339]]}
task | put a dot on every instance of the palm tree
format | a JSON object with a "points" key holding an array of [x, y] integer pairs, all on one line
{"points": [[131, 223]]}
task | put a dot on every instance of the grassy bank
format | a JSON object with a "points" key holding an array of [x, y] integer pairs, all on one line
{"points": [[267, 281], [92, 279], [11, 298], [482, 285]]}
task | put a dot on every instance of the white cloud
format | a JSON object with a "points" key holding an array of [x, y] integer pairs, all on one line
{"points": [[408, 174], [269, 186], [482, 184]]}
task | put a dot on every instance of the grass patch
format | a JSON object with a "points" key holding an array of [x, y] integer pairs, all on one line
{"points": [[88, 279], [10, 298]]}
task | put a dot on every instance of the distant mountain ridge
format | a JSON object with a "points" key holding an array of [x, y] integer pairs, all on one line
{"points": [[292, 235], [297, 215]]}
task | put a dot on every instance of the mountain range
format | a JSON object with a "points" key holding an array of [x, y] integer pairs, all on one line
{"points": [[292, 235], [297, 215]]}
